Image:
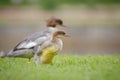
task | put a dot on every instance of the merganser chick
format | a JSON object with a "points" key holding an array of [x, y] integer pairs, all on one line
{"points": [[53, 48], [33, 45]]}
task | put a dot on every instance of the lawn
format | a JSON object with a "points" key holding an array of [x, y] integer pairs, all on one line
{"points": [[64, 67]]}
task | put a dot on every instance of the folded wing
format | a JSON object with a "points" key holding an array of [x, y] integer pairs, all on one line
{"points": [[33, 40]]}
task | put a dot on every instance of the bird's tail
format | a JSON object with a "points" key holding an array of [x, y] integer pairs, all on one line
{"points": [[2, 54]]}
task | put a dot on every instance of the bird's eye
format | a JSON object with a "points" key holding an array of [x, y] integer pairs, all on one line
{"points": [[59, 22]]}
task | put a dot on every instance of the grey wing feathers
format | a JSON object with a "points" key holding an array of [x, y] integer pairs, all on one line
{"points": [[33, 40]]}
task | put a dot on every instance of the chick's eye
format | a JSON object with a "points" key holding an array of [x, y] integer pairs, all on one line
{"points": [[63, 33]]}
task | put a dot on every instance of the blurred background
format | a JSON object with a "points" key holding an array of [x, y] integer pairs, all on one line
{"points": [[94, 25]]}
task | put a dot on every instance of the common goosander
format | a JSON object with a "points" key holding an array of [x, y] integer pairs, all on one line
{"points": [[53, 48], [34, 44]]}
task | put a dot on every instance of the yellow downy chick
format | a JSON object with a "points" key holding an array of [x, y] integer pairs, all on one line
{"points": [[48, 54], [56, 45]]}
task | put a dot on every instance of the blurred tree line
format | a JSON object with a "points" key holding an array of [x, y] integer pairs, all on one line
{"points": [[52, 4]]}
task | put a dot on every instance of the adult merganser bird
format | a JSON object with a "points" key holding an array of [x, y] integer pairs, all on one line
{"points": [[34, 44], [53, 48]]}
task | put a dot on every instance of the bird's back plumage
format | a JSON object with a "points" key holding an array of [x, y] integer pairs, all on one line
{"points": [[27, 46]]}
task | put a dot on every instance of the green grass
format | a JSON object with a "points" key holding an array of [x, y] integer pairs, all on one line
{"points": [[65, 67]]}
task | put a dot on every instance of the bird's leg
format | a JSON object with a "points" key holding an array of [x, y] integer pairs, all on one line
{"points": [[37, 50], [29, 60], [36, 59]]}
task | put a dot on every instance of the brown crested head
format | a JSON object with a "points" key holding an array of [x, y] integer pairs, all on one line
{"points": [[59, 33], [53, 22]]}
